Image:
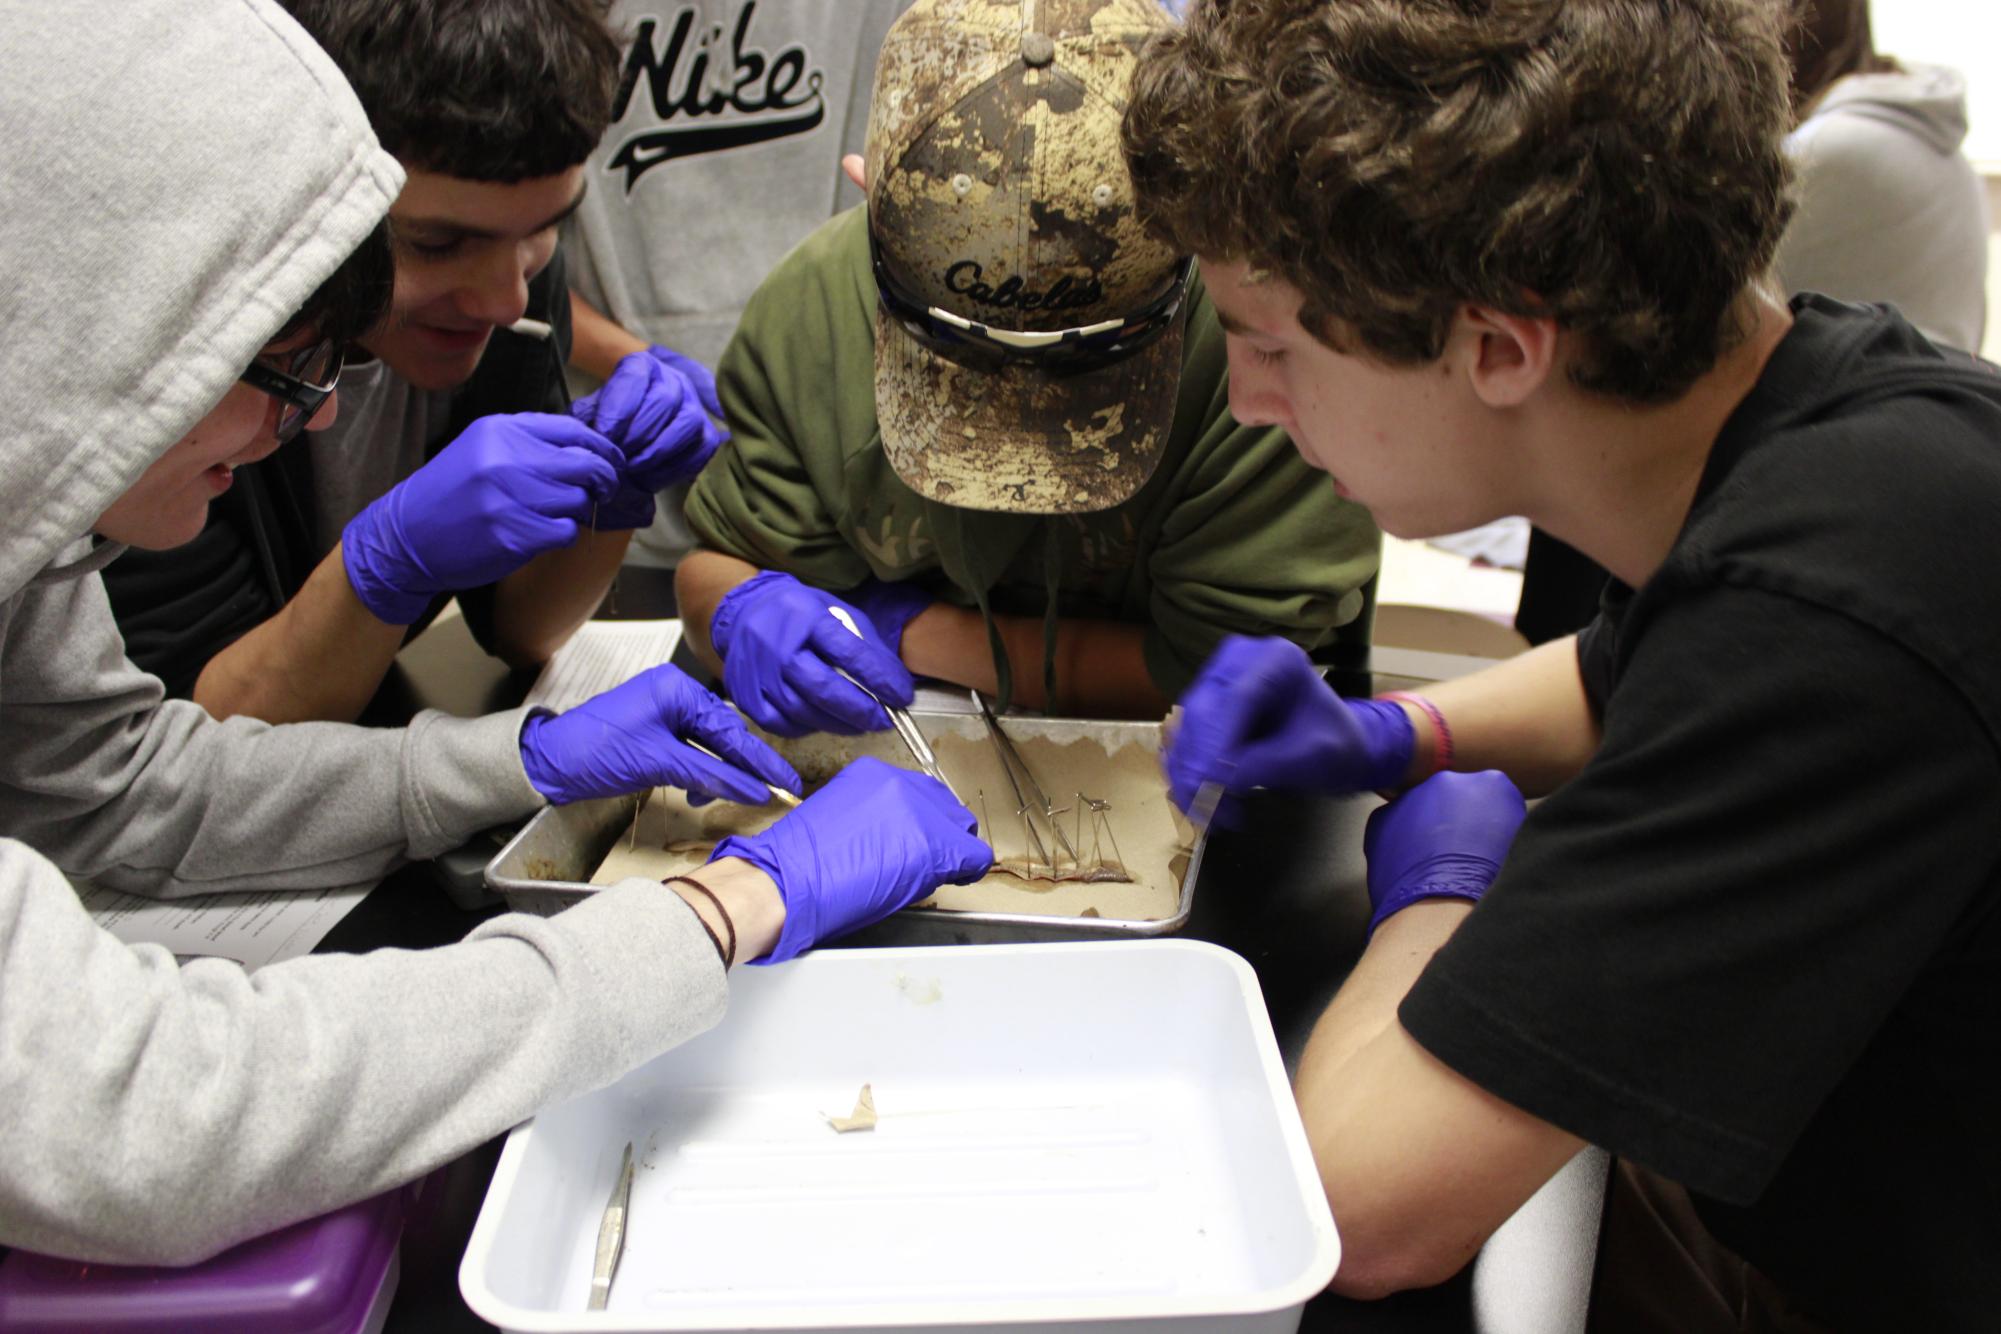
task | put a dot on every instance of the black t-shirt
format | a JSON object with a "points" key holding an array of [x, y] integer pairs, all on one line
{"points": [[177, 609], [1754, 944]]}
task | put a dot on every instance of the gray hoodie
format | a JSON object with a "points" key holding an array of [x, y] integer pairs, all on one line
{"points": [[178, 176], [1890, 210]]}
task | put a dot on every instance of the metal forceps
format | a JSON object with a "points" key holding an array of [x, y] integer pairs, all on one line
{"points": [[906, 727], [1018, 775], [611, 1235], [920, 749]]}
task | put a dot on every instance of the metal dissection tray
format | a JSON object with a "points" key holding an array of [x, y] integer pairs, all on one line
{"points": [[549, 864]]}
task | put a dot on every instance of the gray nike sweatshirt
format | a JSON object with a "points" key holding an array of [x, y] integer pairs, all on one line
{"points": [[178, 178]]}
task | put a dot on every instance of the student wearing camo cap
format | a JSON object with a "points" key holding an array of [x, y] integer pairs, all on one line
{"points": [[990, 414]]}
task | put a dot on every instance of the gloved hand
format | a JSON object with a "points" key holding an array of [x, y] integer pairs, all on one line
{"points": [[630, 738], [1259, 715], [889, 606], [875, 839], [780, 646], [656, 408], [508, 489], [694, 372], [1445, 838]]}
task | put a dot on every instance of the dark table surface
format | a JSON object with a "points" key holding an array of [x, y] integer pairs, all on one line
{"points": [[1284, 890]]}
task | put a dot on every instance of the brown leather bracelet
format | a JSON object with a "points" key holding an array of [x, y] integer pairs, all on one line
{"points": [[728, 955]]}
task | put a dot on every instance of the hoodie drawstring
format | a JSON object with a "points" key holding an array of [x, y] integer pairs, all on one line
{"points": [[1052, 552]]}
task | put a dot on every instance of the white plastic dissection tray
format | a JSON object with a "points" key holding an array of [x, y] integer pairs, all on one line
{"points": [[1070, 1136]]}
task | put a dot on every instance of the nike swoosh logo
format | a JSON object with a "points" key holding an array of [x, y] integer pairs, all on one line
{"points": [[643, 152]]}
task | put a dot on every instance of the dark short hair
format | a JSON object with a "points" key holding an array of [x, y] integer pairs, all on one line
{"points": [[488, 90], [1617, 165], [354, 297]]}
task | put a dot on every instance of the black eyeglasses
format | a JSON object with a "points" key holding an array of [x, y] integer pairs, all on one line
{"points": [[309, 376], [1056, 352]]}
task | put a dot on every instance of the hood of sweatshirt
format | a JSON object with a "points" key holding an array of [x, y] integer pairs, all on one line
{"points": [[1928, 101], [178, 177]]}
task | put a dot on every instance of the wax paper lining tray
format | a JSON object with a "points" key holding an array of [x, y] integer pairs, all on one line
{"points": [[1071, 1137], [548, 865]]}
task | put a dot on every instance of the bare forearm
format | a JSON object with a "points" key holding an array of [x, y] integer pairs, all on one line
{"points": [[1527, 717], [1419, 1164], [750, 897], [597, 342], [1366, 1004], [1368, 1166], [700, 582], [538, 607], [320, 658], [1100, 665]]}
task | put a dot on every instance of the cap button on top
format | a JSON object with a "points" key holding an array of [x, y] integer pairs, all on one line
{"points": [[1037, 49]]}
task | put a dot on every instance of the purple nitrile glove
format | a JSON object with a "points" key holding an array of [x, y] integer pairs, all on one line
{"points": [[634, 736], [1260, 715], [875, 839], [889, 606], [697, 375], [1443, 839], [656, 408], [783, 654], [508, 489]]}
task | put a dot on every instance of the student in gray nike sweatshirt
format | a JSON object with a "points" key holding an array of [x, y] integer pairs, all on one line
{"points": [[181, 178]]}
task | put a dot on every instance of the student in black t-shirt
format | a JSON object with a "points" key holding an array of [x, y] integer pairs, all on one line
{"points": [[1490, 260]]}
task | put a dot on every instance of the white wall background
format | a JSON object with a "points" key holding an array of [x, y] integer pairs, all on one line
{"points": [[1962, 33]]}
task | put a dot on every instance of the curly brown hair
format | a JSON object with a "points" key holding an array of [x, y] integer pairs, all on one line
{"points": [[1614, 164]]}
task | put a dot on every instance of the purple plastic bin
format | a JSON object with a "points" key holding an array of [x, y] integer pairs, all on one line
{"points": [[328, 1275]]}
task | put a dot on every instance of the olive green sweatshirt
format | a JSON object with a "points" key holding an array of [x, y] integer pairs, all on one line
{"points": [[1233, 534]]}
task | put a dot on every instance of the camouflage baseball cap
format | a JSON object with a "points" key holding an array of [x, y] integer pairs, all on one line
{"points": [[1028, 336]]}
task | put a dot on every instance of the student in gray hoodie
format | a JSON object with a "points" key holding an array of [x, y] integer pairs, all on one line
{"points": [[1890, 210], [186, 179]]}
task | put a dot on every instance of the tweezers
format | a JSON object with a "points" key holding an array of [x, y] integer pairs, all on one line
{"points": [[611, 1235], [777, 794], [1012, 764], [920, 749], [899, 718]]}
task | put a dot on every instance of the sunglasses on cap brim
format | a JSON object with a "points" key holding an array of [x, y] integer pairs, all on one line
{"points": [[1055, 352]]}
